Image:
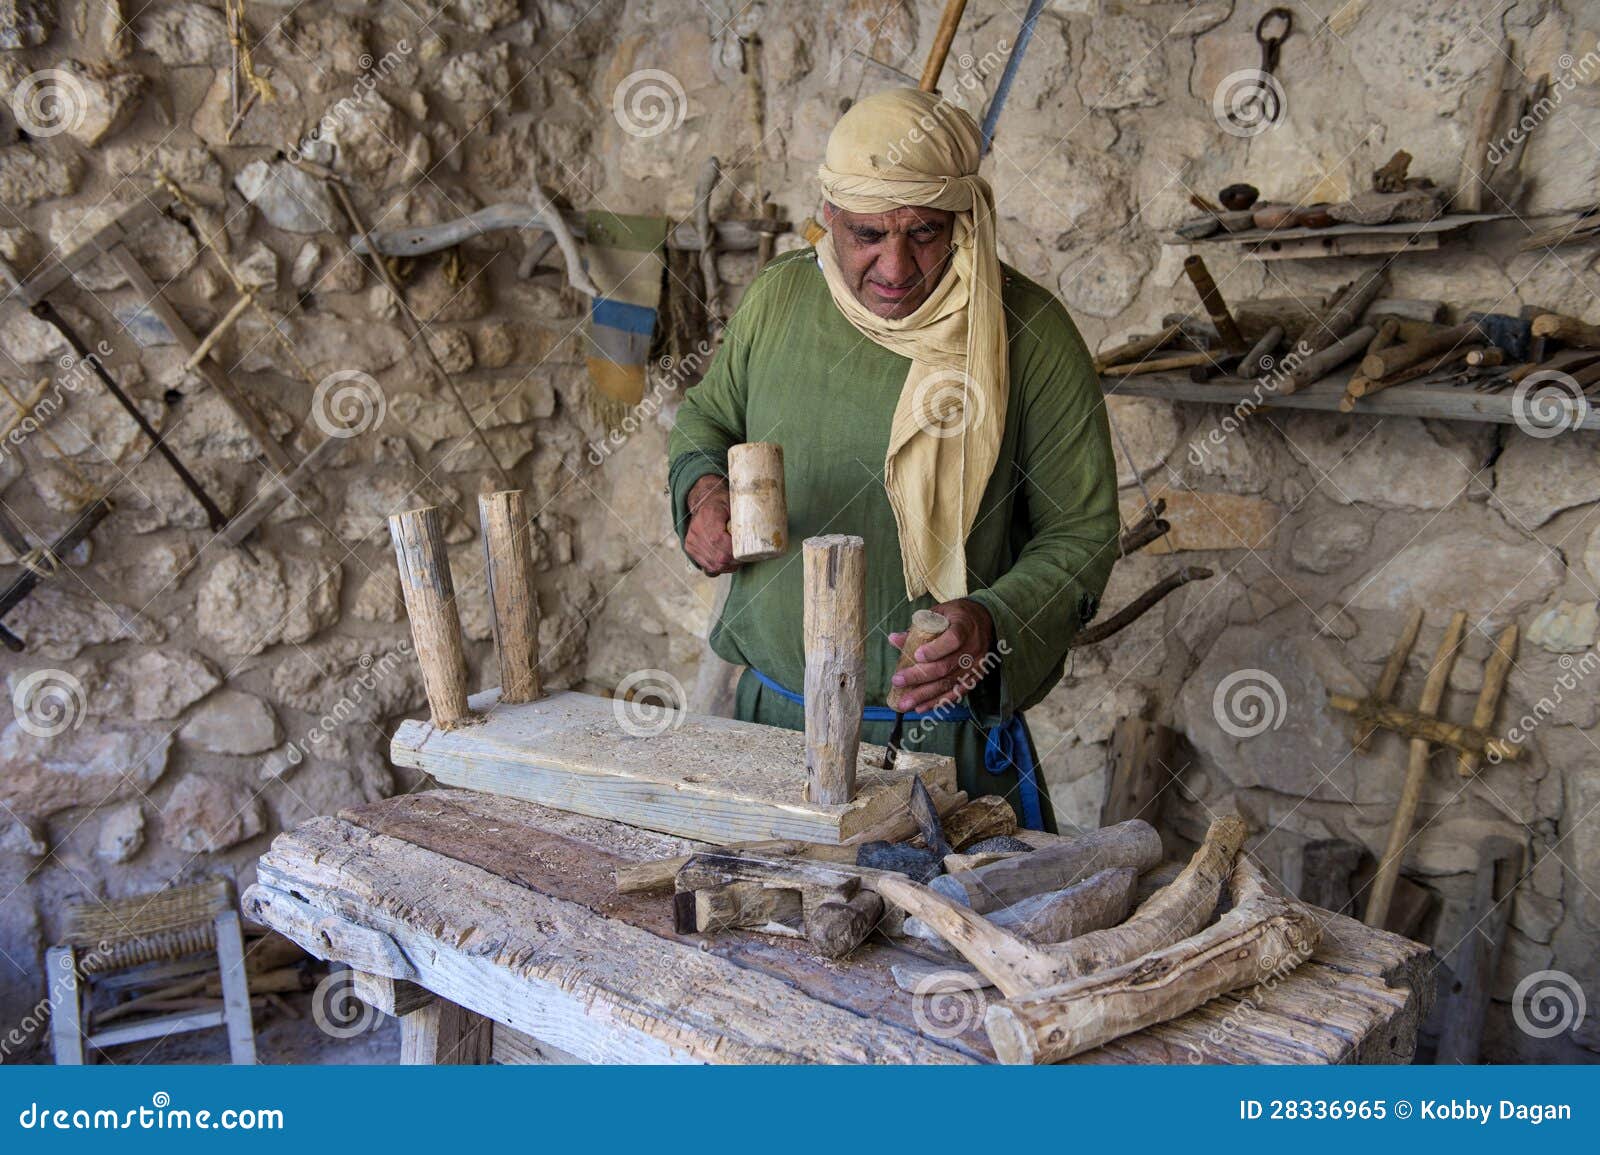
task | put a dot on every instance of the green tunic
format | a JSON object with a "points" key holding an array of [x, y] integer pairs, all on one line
{"points": [[792, 370]]}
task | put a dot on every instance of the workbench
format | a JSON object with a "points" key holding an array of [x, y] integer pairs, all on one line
{"points": [[491, 926]]}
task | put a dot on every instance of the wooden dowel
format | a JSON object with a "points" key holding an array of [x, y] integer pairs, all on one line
{"points": [[1386, 362], [1392, 669], [430, 596], [835, 628], [1494, 682], [758, 512], [1405, 812], [1325, 361], [203, 349], [503, 517], [942, 39], [1138, 347], [1268, 345], [1216, 307], [925, 626], [1158, 365]]}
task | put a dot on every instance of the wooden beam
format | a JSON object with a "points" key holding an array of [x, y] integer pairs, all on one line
{"points": [[714, 779], [442, 1033], [397, 997], [1467, 740]]}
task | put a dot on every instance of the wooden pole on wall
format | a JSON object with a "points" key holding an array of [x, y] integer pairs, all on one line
{"points": [[836, 664], [942, 39], [430, 595], [504, 519]]}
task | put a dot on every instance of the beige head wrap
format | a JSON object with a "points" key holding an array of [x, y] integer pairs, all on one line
{"points": [[904, 147]]}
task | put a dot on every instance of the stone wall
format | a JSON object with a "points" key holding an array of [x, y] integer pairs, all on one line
{"points": [[224, 697]]}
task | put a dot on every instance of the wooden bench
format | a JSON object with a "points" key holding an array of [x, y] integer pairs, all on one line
{"points": [[491, 926]]}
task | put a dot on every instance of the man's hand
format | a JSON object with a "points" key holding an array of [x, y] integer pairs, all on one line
{"points": [[708, 542], [953, 663]]}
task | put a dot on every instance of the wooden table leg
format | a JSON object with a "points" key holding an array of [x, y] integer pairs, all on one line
{"points": [[445, 1034]]}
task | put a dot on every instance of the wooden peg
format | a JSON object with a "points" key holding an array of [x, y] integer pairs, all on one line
{"points": [[759, 515], [430, 595], [1405, 811], [1390, 678], [503, 517], [925, 626], [1494, 682], [836, 664]]}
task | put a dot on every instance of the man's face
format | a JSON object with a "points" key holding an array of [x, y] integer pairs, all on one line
{"points": [[891, 261]]}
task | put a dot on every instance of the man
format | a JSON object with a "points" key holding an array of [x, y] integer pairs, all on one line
{"points": [[935, 403]]}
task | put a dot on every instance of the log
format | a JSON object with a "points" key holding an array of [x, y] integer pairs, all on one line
{"points": [[837, 928], [1405, 812], [1325, 361], [759, 517], [835, 628], [1494, 683], [1466, 740], [1344, 314], [430, 597], [1386, 362], [1017, 967], [508, 567], [1216, 308], [1568, 330], [925, 627], [1133, 843], [1099, 901], [1262, 938]]}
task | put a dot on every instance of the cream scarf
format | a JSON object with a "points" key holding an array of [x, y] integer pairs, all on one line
{"points": [[904, 147]]}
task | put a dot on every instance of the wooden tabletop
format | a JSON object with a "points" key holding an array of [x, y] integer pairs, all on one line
{"points": [[507, 909]]}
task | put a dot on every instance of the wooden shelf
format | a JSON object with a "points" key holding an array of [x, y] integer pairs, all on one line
{"points": [[1414, 399], [1343, 240]]}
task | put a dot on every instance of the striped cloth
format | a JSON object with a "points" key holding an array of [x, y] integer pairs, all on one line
{"points": [[625, 257]]}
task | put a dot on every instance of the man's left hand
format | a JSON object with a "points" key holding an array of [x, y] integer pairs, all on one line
{"points": [[951, 665]]}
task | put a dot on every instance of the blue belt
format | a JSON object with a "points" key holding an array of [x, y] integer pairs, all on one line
{"points": [[1006, 746]]}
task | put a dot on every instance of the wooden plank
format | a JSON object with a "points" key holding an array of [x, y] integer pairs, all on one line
{"points": [[58, 270], [714, 779], [159, 1028], [513, 1048], [1409, 400], [595, 987], [443, 1034], [327, 936], [1309, 248], [235, 990]]}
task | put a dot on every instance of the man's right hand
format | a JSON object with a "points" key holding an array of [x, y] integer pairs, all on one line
{"points": [[708, 542]]}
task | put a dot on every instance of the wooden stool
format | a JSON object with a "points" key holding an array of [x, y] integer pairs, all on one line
{"points": [[140, 932]]}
